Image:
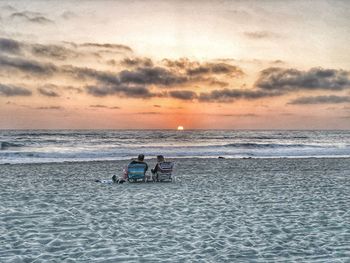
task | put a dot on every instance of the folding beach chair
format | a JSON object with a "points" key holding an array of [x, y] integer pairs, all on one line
{"points": [[164, 172], [136, 171]]}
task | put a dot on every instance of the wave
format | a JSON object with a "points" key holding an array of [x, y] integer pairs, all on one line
{"points": [[77, 155], [7, 145], [57, 146], [269, 145]]}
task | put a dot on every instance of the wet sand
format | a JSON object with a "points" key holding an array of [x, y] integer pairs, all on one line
{"points": [[218, 210]]}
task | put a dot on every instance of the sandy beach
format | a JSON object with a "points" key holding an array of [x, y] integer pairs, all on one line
{"points": [[218, 210]]}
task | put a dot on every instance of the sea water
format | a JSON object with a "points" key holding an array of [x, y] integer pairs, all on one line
{"points": [[39, 146]]}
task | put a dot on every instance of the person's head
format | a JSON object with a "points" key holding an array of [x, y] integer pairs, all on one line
{"points": [[141, 157], [160, 158]]}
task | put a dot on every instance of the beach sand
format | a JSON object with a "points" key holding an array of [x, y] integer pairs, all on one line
{"points": [[218, 210]]}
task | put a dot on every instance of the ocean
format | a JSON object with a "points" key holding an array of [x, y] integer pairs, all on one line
{"points": [[42, 146]]}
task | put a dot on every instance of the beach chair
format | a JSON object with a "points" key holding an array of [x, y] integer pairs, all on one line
{"points": [[164, 172], [136, 171]]}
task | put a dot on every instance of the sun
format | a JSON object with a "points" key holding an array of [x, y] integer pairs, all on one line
{"points": [[180, 128]]}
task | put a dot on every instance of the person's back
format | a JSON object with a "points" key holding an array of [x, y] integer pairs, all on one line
{"points": [[137, 169], [140, 159], [160, 159], [162, 170], [124, 177]]}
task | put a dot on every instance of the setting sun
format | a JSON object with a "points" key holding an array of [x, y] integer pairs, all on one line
{"points": [[180, 128]]}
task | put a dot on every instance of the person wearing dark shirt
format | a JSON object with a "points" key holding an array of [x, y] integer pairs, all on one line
{"points": [[140, 159], [156, 169], [160, 159]]}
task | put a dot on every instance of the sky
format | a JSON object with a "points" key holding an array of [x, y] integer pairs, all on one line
{"points": [[160, 64]]}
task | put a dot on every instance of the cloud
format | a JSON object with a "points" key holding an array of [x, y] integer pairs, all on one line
{"points": [[195, 68], [10, 90], [59, 52], [50, 51], [111, 62], [209, 73], [215, 82], [149, 113], [124, 91], [278, 61], [33, 17], [53, 51], [146, 79], [41, 20], [129, 83], [134, 82], [52, 90], [201, 70], [103, 77], [73, 89], [183, 94], [48, 91], [151, 75], [108, 46], [126, 83], [9, 46], [50, 108], [104, 107], [98, 106], [215, 68], [157, 106], [292, 79], [181, 63], [278, 81], [244, 115], [260, 34], [332, 99], [229, 95], [137, 62], [27, 65]]}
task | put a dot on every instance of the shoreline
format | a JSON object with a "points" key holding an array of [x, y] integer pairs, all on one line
{"points": [[221, 158]]}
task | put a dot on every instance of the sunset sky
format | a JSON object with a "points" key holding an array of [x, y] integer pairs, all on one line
{"points": [[161, 64]]}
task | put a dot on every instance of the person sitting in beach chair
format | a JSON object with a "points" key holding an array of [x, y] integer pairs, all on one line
{"points": [[163, 170], [137, 169]]}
